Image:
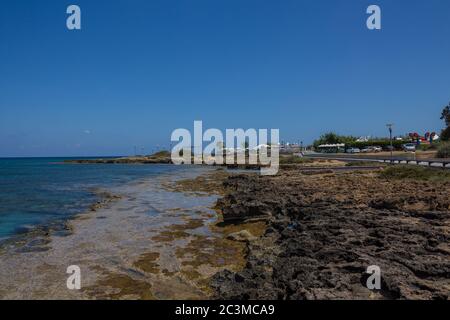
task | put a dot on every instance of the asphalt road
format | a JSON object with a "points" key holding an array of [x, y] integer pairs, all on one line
{"points": [[407, 158]]}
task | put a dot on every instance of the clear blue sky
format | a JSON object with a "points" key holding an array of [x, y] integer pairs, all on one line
{"points": [[139, 69]]}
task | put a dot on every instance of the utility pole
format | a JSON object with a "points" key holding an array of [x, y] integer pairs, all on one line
{"points": [[389, 126]]}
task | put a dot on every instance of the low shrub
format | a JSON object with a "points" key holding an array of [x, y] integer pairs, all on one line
{"points": [[385, 144], [294, 159], [443, 150], [428, 147], [415, 173], [364, 164]]}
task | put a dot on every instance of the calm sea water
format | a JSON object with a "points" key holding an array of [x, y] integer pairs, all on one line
{"points": [[35, 191]]}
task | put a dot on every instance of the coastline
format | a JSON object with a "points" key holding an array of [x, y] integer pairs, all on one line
{"points": [[151, 243], [206, 232], [325, 227]]}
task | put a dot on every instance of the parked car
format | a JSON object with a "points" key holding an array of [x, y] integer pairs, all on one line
{"points": [[409, 147], [371, 149], [353, 150], [377, 149]]}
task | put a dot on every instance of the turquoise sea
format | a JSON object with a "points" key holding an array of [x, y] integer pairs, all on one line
{"points": [[37, 191]]}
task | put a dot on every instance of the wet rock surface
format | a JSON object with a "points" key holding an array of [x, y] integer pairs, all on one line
{"points": [[324, 230]]}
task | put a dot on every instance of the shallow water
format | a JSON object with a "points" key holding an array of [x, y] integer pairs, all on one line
{"points": [[37, 191], [108, 244]]}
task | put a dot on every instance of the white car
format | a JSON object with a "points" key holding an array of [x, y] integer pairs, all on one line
{"points": [[371, 149], [409, 147], [377, 149], [353, 150]]}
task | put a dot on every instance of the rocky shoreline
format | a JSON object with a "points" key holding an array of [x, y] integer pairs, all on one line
{"points": [[122, 160], [326, 227], [160, 158]]}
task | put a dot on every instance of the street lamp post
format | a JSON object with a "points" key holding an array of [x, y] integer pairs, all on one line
{"points": [[390, 125]]}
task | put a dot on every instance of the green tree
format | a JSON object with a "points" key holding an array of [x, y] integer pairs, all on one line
{"points": [[445, 134], [446, 115], [333, 138]]}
